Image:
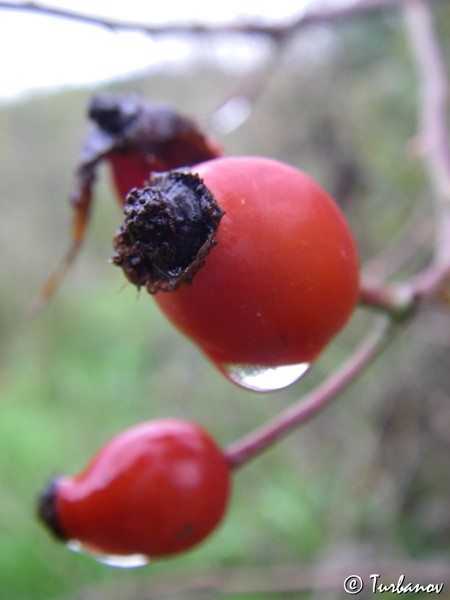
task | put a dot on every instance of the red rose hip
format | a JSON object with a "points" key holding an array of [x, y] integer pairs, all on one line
{"points": [[154, 490], [280, 276]]}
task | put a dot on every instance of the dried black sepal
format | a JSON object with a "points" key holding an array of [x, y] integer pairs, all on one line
{"points": [[169, 230], [113, 114], [46, 510]]}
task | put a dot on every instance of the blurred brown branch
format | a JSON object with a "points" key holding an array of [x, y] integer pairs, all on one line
{"points": [[309, 406], [313, 16], [434, 133], [283, 579], [400, 299]]}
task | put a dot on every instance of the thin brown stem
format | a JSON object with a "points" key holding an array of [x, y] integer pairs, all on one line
{"points": [[396, 300], [270, 580], [313, 16], [309, 406], [434, 132], [402, 298]]}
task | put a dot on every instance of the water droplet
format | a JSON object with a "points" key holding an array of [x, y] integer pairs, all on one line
{"points": [[130, 561], [265, 379]]}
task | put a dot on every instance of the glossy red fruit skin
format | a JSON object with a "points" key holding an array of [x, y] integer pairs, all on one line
{"points": [[156, 489], [131, 169], [283, 278]]}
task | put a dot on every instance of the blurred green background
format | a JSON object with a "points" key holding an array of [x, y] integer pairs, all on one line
{"points": [[367, 480]]}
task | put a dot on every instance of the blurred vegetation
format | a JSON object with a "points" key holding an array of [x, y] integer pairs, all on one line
{"points": [[367, 479]]}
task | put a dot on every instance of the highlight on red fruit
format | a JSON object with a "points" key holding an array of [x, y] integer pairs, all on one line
{"points": [[156, 489], [278, 280]]}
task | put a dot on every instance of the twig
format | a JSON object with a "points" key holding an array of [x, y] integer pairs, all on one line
{"points": [[282, 579], [401, 299], [397, 300], [276, 31], [309, 406], [435, 135]]}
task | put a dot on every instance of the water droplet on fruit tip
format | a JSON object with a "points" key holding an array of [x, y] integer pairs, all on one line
{"points": [[259, 378], [126, 561]]}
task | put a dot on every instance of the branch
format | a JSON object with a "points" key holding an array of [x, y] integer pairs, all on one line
{"points": [[309, 406], [401, 299], [313, 16], [397, 300], [271, 580], [435, 134]]}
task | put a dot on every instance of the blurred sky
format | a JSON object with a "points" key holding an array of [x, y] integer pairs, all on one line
{"points": [[41, 52]]}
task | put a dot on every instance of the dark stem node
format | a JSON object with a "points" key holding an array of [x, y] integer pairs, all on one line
{"points": [[46, 510], [169, 230]]}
